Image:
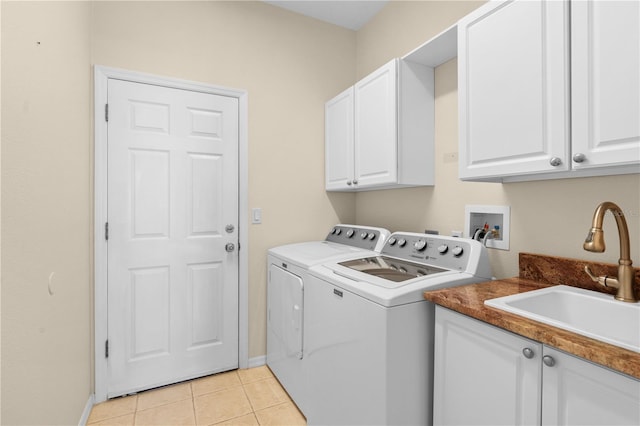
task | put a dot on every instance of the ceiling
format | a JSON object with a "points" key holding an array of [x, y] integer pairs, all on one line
{"points": [[350, 14]]}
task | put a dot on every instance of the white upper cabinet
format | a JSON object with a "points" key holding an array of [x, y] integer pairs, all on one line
{"points": [[549, 89], [379, 133], [338, 122], [513, 89], [376, 128], [605, 83]]}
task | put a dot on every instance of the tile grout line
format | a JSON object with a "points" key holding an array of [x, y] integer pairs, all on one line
{"points": [[135, 413], [253, 410], [193, 403]]}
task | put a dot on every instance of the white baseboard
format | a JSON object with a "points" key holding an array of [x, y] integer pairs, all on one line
{"points": [[87, 410], [257, 361]]}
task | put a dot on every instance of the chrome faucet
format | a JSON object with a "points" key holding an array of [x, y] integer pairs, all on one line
{"points": [[595, 243]]}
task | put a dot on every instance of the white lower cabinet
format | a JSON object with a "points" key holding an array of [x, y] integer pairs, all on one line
{"points": [[481, 376], [577, 392], [484, 375]]}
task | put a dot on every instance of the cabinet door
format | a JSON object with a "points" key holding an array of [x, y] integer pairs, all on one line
{"points": [[481, 375], [605, 83], [376, 127], [513, 89], [339, 141], [577, 392]]}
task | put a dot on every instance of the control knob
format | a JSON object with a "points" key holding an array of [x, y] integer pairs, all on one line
{"points": [[350, 233], [457, 251], [372, 236], [420, 245], [442, 249], [392, 241], [402, 242], [364, 235]]}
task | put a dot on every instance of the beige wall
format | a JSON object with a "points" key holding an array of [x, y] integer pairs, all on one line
{"points": [[0, 224], [46, 212], [550, 217], [289, 64]]}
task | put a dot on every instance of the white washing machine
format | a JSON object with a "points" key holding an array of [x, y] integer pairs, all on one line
{"points": [[369, 331], [288, 267]]}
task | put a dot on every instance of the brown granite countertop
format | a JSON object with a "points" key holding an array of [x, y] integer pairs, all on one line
{"points": [[469, 300]]}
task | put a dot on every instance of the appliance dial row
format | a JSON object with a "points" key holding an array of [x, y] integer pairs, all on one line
{"points": [[401, 242], [364, 235], [456, 251]]}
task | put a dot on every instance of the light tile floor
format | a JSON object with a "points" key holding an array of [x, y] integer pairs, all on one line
{"points": [[241, 397]]}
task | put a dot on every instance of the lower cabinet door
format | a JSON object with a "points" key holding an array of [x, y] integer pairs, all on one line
{"points": [[484, 375], [577, 392]]}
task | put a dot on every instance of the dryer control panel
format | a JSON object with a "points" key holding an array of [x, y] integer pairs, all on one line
{"points": [[364, 237]]}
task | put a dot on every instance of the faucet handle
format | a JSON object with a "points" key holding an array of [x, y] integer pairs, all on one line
{"points": [[591, 274], [605, 280]]}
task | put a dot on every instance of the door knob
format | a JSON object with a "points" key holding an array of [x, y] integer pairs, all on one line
{"points": [[230, 247]]}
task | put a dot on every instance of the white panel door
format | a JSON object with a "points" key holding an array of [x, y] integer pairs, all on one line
{"points": [[172, 191], [605, 83], [513, 89]]}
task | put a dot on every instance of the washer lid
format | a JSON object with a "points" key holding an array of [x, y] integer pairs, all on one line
{"points": [[391, 269], [315, 252]]}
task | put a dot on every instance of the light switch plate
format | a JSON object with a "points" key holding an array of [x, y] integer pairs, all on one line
{"points": [[256, 215]]}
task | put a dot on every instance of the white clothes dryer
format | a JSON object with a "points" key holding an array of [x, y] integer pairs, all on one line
{"points": [[288, 267], [369, 330]]}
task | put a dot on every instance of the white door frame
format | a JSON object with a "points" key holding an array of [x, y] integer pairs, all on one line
{"points": [[101, 77]]}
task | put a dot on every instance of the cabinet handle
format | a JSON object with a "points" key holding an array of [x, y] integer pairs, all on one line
{"points": [[548, 361], [528, 353], [355, 182], [349, 182], [555, 161], [579, 157]]}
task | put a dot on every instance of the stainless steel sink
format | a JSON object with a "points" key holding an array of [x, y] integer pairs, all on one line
{"points": [[581, 311]]}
